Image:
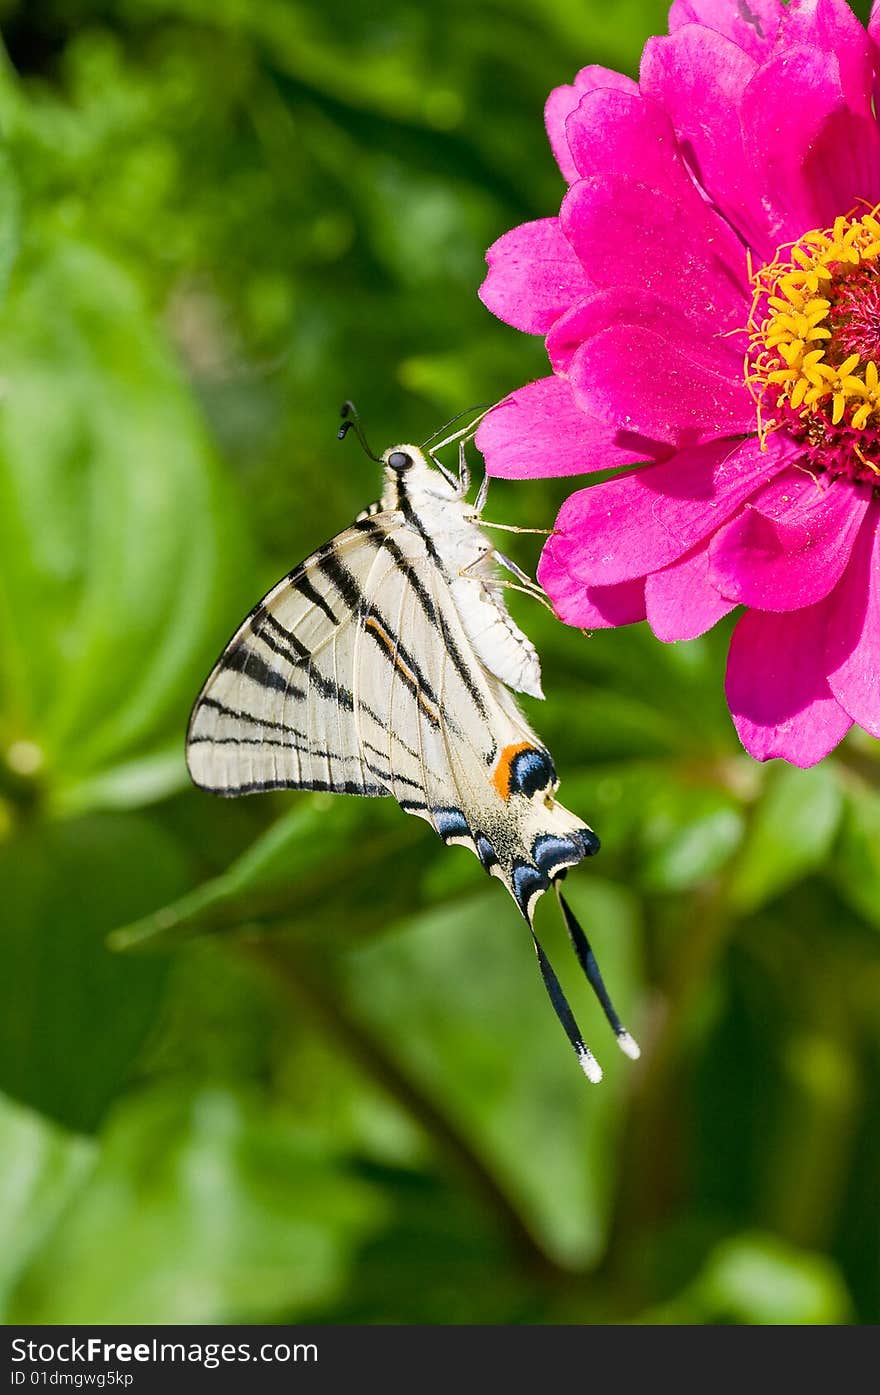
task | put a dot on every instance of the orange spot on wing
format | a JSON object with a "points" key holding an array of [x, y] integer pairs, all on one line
{"points": [[501, 773]]}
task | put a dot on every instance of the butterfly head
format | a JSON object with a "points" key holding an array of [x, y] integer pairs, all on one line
{"points": [[409, 475]]}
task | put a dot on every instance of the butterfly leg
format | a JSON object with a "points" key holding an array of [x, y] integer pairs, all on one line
{"points": [[534, 591], [512, 527], [511, 566], [482, 494], [464, 474], [460, 482], [524, 583], [447, 474]]}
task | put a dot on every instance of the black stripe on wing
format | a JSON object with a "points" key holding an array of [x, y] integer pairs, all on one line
{"points": [[322, 786], [406, 668], [300, 582], [242, 658], [282, 641], [381, 539], [236, 714], [404, 503], [267, 629], [312, 752], [387, 640]]}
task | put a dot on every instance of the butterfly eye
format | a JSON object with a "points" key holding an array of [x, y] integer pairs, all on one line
{"points": [[399, 460]]}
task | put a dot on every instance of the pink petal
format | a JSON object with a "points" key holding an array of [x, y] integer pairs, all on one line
{"points": [[750, 23], [640, 312], [590, 607], [533, 276], [623, 131], [831, 26], [699, 77], [681, 602], [844, 158], [538, 431], [635, 238], [816, 156], [670, 388], [564, 100], [777, 689], [640, 522], [854, 632], [790, 545]]}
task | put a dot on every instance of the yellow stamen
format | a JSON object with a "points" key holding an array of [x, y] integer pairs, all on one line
{"points": [[797, 355]]}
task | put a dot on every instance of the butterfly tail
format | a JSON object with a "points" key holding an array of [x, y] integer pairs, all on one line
{"points": [[587, 960], [588, 1063]]}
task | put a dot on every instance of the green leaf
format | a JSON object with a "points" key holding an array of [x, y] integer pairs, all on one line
{"points": [[204, 1206], [131, 784], [456, 994], [760, 1279], [41, 1168], [790, 833], [73, 1016], [118, 537], [855, 866], [756, 1277], [326, 855], [9, 220], [686, 832]]}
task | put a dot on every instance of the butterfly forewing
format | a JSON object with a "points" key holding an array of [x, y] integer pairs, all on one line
{"points": [[278, 710]]}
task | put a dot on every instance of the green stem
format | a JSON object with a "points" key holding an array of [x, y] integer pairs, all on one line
{"points": [[649, 1181]]}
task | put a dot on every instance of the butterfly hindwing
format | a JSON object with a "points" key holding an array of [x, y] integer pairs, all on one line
{"points": [[477, 771]]}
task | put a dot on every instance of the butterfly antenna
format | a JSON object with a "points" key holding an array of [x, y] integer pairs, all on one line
{"points": [[587, 960], [480, 407], [351, 422], [589, 1065]]}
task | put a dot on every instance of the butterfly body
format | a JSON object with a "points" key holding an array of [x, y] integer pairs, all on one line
{"points": [[386, 664], [439, 512]]}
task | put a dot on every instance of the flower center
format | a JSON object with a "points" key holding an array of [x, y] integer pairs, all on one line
{"points": [[813, 362]]}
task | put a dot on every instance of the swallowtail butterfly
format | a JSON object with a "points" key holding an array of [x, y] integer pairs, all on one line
{"points": [[386, 664]]}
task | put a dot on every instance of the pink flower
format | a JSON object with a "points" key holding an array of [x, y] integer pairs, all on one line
{"points": [[710, 297]]}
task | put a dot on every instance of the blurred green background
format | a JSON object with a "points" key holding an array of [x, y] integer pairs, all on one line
{"points": [[323, 1083]]}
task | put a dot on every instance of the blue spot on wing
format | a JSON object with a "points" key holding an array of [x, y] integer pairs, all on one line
{"points": [[530, 771], [550, 851], [485, 851], [590, 841], [527, 880], [451, 823]]}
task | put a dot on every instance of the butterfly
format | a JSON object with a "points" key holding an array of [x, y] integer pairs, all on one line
{"points": [[386, 664]]}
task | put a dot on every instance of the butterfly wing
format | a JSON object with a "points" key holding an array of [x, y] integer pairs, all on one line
{"points": [[475, 770], [278, 710], [356, 674]]}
